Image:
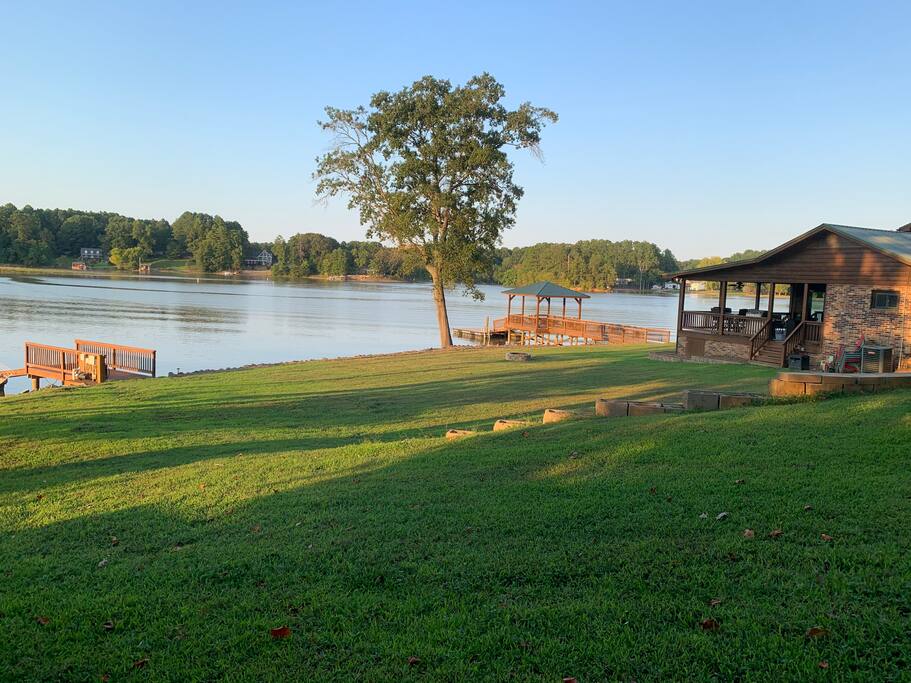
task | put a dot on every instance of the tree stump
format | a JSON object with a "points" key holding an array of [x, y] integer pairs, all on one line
{"points": [[518, 356], [458, 433]]}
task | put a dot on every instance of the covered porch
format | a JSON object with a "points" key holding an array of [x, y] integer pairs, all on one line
{"points": [[757, 321]]}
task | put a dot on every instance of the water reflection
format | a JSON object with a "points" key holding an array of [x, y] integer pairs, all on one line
{"points": [[213, 323]]}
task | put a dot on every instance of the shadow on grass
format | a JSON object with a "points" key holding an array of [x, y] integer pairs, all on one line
{"points": [[497, 556]]}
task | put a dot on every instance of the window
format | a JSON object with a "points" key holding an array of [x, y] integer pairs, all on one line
{"points": [[887, 299]]}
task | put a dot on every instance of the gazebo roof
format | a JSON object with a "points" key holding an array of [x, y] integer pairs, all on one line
{"points": [[546, 289]]}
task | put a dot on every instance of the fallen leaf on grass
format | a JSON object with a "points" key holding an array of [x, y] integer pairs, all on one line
{"points": [[102, 564], [280, 632], [775, 533], [105, 678], [748, 533], [202, 487], [39, 496], [817, 632], [709, 625], [653, 490], [414, 661], [826, 538], [721, 515], [569, 679], [740, 481], [256, 528], [574, 455], [108, 625], [141, 663], [824, 664], [714, 602], [44, 621], [704, 515], [807, 508], [115, 540]]}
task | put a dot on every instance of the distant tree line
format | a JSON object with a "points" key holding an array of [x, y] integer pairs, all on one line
{"points": [[35, 237]]}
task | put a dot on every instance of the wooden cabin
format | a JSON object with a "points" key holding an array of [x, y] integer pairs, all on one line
{"points": [[841, 283]]}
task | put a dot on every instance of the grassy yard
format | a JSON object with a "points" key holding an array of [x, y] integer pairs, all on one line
{"points": [[159, 530]]}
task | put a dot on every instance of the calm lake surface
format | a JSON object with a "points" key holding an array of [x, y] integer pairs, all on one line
{"points": [[216, 323]]}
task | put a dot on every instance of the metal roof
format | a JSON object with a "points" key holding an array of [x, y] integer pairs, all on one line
{"points": [[892, 243], [546, 290]]}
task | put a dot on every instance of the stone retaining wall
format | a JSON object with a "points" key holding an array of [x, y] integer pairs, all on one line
{"points": [[814, 383]]}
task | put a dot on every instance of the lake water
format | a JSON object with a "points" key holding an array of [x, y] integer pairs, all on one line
{"points": [[216, 323]]}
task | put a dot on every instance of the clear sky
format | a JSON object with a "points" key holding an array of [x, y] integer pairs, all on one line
{"points": [[704, 127]]}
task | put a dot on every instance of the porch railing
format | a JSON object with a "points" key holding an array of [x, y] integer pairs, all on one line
{"points": [[758, 340], [735, 325]]}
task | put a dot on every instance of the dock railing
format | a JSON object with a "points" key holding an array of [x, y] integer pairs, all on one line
{"points": [[128, 359], [613, 333], [50, 362]]}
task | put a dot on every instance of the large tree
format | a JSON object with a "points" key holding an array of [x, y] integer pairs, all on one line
{"points": [[427, 169]]}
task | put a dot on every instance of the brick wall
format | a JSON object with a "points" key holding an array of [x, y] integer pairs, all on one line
{"points": [[848, 315], [720, 349]]}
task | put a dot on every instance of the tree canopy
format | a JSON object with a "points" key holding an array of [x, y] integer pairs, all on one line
{"points": [[427, 169]]}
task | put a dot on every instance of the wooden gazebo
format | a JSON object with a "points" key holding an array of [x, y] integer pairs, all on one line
{"points": [[547, 328]]}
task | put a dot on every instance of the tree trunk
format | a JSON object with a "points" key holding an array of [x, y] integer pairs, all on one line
{"points": [[439, 298]]}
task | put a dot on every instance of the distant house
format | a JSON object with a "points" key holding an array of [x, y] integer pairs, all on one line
{"points": [[87, 254], [262, 260]]}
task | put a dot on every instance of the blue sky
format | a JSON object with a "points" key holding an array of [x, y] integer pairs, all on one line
{"points": [[704, 127]]}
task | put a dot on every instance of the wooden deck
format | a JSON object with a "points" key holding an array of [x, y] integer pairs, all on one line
{"points": [[545, 329], [87, 363], [757, 332]]}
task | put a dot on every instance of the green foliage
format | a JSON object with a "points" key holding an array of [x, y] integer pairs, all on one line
{"points": [[590, 264], [127, 258], [196, 514], [220, 248], [427, 169], [34, 237]]}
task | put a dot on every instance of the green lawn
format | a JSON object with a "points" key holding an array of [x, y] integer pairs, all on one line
{"points": [[195, 514]]}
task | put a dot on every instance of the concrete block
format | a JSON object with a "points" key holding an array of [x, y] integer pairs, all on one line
{"points": [[636, 409], [805, 377], [553, 415], [500, 425], [822, 389], [672, 407], [611, 408], [518, 356], [695, 399], [728, 401], [458, 433], [779, 388]]}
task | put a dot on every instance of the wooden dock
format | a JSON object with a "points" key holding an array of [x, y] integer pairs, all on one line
{"points": [[86, 364], [548, 330]]}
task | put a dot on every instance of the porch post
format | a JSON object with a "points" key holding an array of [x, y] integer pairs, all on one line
{"points": [[680, 311], [537, 315], [803, 309], [508, 308], [771, 299], [722, 302], [564, 308], [758, 290], [523, 306], [579, 301]]}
